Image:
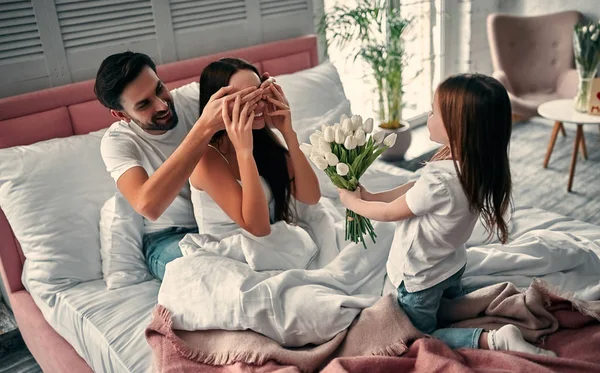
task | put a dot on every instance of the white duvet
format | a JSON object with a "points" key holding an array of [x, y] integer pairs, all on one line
{"points": [[307, 283]]}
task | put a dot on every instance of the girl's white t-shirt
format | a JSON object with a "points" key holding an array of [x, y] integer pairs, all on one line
{"points": [[430, 247], [126, 145]]}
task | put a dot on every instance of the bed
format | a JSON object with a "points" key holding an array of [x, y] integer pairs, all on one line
{"points": [[77, 325]]}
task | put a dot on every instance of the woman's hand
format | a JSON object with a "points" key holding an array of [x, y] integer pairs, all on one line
{"points": [[347, 197], [212, 116], [277, 113], [239, 125]]}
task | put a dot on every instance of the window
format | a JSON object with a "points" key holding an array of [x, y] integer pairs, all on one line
{"points": [[423, 43]]}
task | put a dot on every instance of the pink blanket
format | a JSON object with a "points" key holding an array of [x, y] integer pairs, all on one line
{"points": [[383, 332]]}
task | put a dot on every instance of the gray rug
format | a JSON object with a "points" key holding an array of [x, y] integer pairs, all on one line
{"points": [[547, 188]]}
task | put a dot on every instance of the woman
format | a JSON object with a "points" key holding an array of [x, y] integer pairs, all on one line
{"points": [[247, 178]]}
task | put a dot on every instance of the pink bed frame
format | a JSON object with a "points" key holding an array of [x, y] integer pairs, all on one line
{"points": [[73, 110]]}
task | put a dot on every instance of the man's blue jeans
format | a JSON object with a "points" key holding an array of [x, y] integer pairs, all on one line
{"points": [[421, 307], [162, 247]]}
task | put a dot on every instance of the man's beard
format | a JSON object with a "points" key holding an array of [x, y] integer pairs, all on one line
{"points": [[155, 126]]}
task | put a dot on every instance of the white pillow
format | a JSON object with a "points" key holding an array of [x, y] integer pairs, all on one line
{"points": [[307, 126], [121, 240], [312, 92], [51, 193]]}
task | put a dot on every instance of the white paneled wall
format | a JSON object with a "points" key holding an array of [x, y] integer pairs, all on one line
{"points": [[47, 43], [480, 59]]}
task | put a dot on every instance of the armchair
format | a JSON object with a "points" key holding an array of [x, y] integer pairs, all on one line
{"points": [[533, 58]]}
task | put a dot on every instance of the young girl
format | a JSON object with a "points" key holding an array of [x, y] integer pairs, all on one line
{"points": [[247, 177], [469, 177]]}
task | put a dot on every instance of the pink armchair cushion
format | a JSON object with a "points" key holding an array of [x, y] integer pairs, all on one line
{"points": [[566, 85]]}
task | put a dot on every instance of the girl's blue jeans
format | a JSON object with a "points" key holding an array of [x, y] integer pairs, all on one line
{"points": [[421, 307]]}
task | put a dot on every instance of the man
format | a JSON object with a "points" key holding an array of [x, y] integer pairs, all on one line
{"points": [[153, 148]]}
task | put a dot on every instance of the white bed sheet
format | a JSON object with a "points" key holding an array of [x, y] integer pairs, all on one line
{"points": [[106, 327]]}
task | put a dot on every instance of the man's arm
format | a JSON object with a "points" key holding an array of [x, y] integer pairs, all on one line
{"points": [[150, 196]]}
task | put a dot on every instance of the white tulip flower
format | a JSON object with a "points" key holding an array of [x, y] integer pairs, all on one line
{"points": [[316, 153], [324, 126], [347, 126], [368, 125], [361, 137], [584, 29], [306, 149], [340, 137], [314, 139], [344, 116], [329, 134], [342, 169], [390, 140], [591, 28], [324, 146], [332, 159], [320, 162], [357, 122], [377, 137], [350, 142], [594, 37], [336, 126]]}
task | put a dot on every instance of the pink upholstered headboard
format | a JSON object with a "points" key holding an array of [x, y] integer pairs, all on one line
{"points": [[73, 110]]}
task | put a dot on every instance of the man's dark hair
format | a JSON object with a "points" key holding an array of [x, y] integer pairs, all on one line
{"points": [[115, 73]]}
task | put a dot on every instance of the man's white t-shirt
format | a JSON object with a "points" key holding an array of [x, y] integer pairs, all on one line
{"points": [[430, 247], [126, 145]]}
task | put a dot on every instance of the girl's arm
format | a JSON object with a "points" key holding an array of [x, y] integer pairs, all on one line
{"points": [[246, 204], [381, 211], [386, 196]]}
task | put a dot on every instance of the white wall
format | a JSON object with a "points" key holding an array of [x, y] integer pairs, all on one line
{"points": [[589, 8], [480, 59], [466, 44]]}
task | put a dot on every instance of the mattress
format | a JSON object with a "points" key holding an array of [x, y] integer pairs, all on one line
{"points": [[106, 327]]}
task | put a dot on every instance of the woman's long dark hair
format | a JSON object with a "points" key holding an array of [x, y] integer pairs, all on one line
{"points": [[476, 113], [269, 154]]}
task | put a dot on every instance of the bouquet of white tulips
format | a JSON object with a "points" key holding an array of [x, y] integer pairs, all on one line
{"points": [[344, 151]]}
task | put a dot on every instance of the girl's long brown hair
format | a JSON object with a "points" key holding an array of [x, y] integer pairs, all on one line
{"points": [[476, 113]]}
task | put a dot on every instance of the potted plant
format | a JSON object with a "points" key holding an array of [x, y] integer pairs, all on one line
{"points": [[378, 28]]}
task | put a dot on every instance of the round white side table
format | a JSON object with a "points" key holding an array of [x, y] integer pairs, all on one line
{"points": [[561, 111]]}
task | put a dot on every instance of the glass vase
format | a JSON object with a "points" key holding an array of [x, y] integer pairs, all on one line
{"points": [[583, 91]]}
